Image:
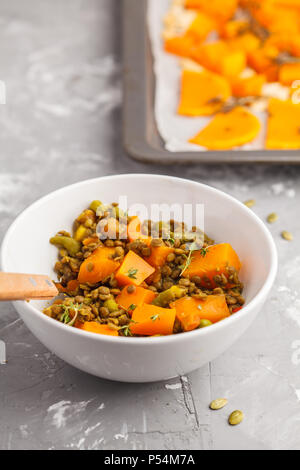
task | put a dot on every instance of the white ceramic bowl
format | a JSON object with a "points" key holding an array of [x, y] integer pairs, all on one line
{"points": [[26, 249]]}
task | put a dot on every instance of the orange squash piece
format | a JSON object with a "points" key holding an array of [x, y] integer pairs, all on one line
{"points": [[201, 27], [217, 258], [183, 46], [98, 266], [222, 10], [263, 60], [139, 297], [234, 28], [135, 233], [95, 327], [134, 270], [218, 57], [159, 256], [247, 42], [251, 86], [228, 130], [202, 93], [283, 125], [277, 19], [289, 73], [149, 320], [190, 311]]}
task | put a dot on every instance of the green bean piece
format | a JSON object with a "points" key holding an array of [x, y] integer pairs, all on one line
{"points": [[166, 297], [70, 244], [94, 205], [111, 305]]}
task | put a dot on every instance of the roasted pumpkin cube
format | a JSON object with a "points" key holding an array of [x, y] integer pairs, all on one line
{"points": [[283, 130]]}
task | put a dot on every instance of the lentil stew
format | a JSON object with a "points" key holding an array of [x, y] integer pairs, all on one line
{"points": [[121, 277]]}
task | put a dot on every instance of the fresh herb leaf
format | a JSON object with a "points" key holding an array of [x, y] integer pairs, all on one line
{"points": [[126, 330], [172, 240], [204, 252], [132, 307], [132, 273], [154, 317], [66, 317]]}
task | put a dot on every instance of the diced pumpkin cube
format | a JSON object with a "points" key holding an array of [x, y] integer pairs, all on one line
{"points": [[217, 57], [213, 263], [201, 27], [159, 256], [283, 130], [190, 311], [289, 73], [247, 42], [222, 10], [251, 86], [150, 320], [183, 46], [134, 270], [202, 93], [95, 327], [135, 232], [234, 28], [262, 59], [98, 266], [139, 297], [228, 130]]}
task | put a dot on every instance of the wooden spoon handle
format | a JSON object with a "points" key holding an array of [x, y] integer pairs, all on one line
{"points": [[26, 287]]}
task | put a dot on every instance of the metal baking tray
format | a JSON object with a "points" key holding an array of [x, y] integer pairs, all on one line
{"points": [[140, 135]]}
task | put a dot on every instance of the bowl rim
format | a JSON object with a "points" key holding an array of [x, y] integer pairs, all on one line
{"points": [[263, 291]]}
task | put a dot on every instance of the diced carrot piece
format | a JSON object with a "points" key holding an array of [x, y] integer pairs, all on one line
{"points": [[228, 130], [214, 262], [182, 46], [283, 125], [95, 327], [135, 233], [251, 86], [139, 297], [202, 93], [134, 270], [289, 73], [159, 256], [149, 320], [190, 311], [98, 266], [201, 27]]}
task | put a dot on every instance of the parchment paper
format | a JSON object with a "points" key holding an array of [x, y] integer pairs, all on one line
{"points": [[176, 130]]}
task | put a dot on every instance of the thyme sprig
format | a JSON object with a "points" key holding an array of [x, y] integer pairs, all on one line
{"points": [[66, 317]]}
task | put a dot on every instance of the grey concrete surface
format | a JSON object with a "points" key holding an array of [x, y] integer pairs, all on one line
{"points": [[61, 62]]}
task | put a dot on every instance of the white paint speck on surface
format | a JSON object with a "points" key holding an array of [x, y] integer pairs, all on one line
{"points": [[173, 386], [59, 413]]}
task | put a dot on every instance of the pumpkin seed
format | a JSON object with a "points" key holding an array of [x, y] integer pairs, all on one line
{"points": [[250, 203], [205, 323], [218, 404], [236, 418], [272, 218], [287, 236]]}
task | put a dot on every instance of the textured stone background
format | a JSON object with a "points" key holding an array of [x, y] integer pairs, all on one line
{"points": [[61, 62]]}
